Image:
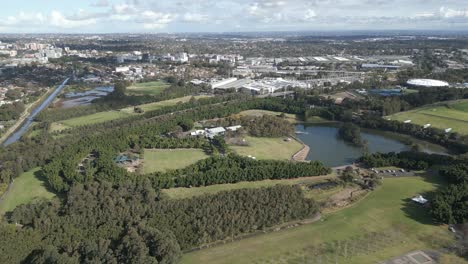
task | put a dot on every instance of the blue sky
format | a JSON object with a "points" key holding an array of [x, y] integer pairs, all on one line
{"points": [[113, 16]]}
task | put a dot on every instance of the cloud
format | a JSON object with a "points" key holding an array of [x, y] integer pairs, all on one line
{"points": [[35, 20], [101, 3], [224, 15], [194, 18]]}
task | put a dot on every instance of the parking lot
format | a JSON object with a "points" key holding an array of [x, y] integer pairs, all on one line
{"points": [[392, 172]]}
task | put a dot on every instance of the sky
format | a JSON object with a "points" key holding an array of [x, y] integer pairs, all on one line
{"points": [[166, 16]]}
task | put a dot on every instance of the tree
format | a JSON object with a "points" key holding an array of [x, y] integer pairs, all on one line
{"points": [[350, 133], [347, 175], [119, 89]]}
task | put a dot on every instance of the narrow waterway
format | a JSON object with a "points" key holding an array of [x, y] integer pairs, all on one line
{"points": [[28, 121]]}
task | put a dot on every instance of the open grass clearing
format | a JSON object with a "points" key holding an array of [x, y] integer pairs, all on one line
{"points": [[148, 88], [26, 188], [387, 209], [268, 148], [170, 159], [115, 114], [442, 115], [180, 193]]}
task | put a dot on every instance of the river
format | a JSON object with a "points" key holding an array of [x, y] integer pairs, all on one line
{"points": [[27, 123], [325, 146]]}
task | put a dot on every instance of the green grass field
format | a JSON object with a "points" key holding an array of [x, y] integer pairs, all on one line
{"points": [[26, 188], [148, 88], [385, 210], [114, 114], [180, 193], [451, 115], [170, 159], [268, 148]]}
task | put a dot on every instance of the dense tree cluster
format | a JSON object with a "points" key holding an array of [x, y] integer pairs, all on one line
{"points": [[11, 111], [267, 126], [232, 169], [102, 223], [350, 132]]}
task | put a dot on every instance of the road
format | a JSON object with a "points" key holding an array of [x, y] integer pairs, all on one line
{"points": [[28, 121]]}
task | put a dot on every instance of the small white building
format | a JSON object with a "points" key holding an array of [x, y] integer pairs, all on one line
{"points": [[233, 128], [419, 199], [198, 133], [122, 69], [212, 132]]}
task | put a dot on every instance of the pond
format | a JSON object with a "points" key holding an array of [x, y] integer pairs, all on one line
{"points": [[84, 98], [332, 151]]}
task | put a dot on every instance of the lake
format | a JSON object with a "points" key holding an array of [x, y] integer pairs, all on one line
{"points": [[325, 146], [84, 98]]}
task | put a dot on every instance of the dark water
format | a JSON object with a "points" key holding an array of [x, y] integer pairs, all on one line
{"points": [[27, 123], [326, 147], [86, 97]]}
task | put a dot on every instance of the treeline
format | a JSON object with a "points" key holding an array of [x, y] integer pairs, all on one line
{"points": [[119, 135], [102, 223], [234, 168], [116, 100], [449, 204]]}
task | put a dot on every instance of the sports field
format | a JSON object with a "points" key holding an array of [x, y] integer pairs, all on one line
{"points": [[148, 88], [26, 188], [268, 148], [443, 115], [180, 193], [115, 114], [170, 159], [400, 226]]}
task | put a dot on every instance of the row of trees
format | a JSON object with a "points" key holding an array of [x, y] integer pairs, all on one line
{"points": [[104, 223], [234, 168], [116, 100]]}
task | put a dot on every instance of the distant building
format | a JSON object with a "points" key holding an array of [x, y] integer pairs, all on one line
{"points": [[427, 83], [122, 69], [212, 132]]}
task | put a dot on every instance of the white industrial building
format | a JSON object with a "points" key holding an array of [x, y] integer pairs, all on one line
{"points": [[427, 83]]}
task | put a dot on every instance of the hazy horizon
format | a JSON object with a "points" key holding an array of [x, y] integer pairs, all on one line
{"points": [[210, 16]]}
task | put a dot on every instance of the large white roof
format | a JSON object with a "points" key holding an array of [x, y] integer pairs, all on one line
{"points": [[427, 83]]}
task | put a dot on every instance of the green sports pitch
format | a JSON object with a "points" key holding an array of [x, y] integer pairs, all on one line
{"points": [[452, 115]]}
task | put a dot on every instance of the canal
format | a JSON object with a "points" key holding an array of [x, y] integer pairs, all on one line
{"points": [[28, 121]]}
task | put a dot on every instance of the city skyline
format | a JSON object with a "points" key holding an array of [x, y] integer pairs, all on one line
{"points": [[151, 16]]}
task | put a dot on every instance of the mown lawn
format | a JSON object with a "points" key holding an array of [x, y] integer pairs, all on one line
{"points": [[180, 193], [170, 159], [268, 148], [114, 114], [148, 88], [453, 115], [385, 210], [26, 188]]}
